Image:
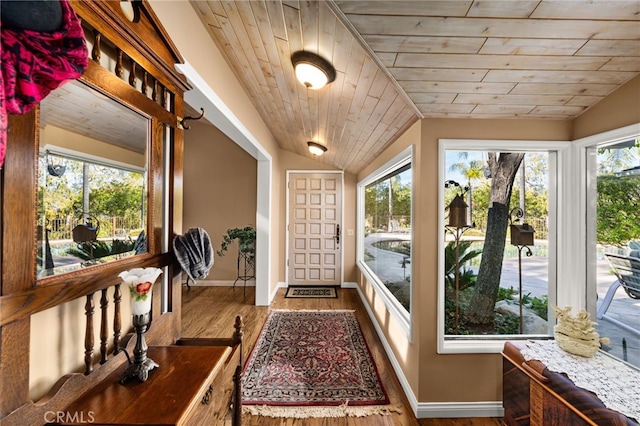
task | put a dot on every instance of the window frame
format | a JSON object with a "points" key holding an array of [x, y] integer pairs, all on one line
{"points": [[586, 208], [73, 155], [398, 312], [557, 269]]}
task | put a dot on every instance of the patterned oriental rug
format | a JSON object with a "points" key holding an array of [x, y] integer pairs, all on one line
{"points": [[312, 364]]}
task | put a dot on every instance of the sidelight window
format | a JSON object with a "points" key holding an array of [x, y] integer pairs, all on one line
{"points": [[385, 227]]}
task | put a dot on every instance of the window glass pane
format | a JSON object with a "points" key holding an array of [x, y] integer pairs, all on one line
{"points": [[496, 244], [617, 257], [89, 213], [387, 232]]}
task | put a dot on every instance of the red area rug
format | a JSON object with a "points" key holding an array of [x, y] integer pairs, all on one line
{"points": [[312, 364]]}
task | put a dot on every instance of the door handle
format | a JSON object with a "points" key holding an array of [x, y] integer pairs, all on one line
{"points": [[337, 237]]}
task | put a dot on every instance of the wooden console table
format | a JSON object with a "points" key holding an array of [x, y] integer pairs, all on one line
{"points": [[188, 388], [533, 395]]}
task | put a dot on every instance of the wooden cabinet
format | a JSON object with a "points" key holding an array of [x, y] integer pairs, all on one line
{"points": [[221, 403], [533, 395], [191, 386]]}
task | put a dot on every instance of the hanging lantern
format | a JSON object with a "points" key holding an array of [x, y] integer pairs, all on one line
{"points": [[458, 212]]}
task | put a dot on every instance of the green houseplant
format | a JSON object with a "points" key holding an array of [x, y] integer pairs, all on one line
{"points": [[246, 239]]}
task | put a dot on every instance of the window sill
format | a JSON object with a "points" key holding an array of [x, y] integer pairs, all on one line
{"points": [[471, 345], [402, 317]]}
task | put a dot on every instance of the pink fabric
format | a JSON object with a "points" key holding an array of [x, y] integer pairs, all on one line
{"points": [[35, 63]]}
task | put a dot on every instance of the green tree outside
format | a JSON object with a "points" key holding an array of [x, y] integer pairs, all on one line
{"points": [[618, 213]]}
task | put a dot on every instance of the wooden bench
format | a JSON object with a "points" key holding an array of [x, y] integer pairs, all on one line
{"points": [[627, 272]]}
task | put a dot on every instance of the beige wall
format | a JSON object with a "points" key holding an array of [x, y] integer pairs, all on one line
{"points": [[56, 343], [349, 246], [64, 138], [278, 223], [619, 109], [220, 185]]}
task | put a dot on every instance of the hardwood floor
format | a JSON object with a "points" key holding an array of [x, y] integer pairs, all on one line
{"points": [[211, 312]]}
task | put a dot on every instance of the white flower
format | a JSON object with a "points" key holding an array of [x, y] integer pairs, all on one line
{"points": [[140, 275]]}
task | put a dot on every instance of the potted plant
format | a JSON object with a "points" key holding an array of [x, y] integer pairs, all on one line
{"points": [[246, 240]]}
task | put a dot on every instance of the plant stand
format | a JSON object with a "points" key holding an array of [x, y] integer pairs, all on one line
{"points": [[246, 269]]}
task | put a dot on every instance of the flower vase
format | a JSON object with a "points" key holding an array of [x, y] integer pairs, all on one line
{"points": [[140, 282]]}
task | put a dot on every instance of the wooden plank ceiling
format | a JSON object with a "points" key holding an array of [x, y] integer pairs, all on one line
{"points": [[399, 61]]}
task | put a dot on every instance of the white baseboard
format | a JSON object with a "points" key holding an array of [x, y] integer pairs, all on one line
{"points": [[221, 283], [272, 295], [424, 410], [434, 410]]}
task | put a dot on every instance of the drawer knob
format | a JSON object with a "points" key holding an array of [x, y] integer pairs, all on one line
{"points": [[206, 399]]}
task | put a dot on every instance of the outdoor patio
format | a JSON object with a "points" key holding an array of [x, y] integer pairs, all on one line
{"points": [[622, 308]]}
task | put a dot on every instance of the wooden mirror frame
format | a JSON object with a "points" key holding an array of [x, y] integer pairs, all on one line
{"points": [[140, 44], [84, 130]]}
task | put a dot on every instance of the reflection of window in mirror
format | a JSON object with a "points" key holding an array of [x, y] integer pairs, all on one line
{"points": [[92, 192]]}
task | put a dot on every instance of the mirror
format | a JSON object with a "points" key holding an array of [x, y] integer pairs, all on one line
{"points": [[92, 180]]}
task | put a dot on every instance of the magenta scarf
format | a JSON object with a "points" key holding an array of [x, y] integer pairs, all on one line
{"points": [[35, 63]]}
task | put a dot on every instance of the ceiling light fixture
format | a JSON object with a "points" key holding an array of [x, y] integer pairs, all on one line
{"points": [[312, 70], [316, 149]]}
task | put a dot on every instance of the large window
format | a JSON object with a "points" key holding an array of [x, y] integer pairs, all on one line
{"points": [[497, 253], [612, 201], [384, 255]]}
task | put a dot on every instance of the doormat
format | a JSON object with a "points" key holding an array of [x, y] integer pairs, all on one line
{"points": [[312, 364], [311, 292]]}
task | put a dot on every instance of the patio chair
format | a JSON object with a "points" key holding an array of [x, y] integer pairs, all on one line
{"points": [[627, 272], [396, 228]]}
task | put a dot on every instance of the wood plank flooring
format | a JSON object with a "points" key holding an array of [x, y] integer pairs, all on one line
{"points": [[211, 311]]}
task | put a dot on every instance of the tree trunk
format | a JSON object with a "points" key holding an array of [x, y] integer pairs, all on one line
{"points": [[483, 300]]}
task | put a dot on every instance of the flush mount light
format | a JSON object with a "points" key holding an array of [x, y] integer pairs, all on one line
{"points": [[316, 149], [312, 70]]}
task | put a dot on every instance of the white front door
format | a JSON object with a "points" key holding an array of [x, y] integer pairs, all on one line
{"points": [[315, 228]]}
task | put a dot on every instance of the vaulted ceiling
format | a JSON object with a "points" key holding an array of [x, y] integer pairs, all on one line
{"points": [[400, 61]]}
